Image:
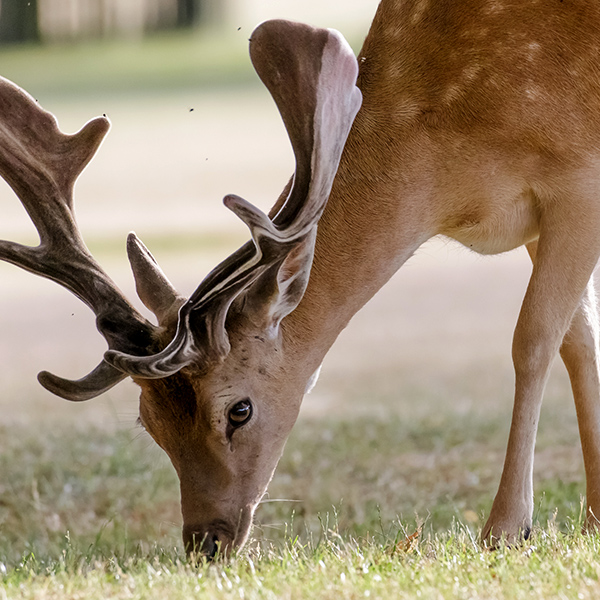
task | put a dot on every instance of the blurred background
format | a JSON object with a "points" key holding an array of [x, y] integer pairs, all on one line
{"points": [[428, 359], [190, 123], [52, 21]]}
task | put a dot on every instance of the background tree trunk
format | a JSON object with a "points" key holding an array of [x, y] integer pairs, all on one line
{"points": [[189, 12], [18, 21]]}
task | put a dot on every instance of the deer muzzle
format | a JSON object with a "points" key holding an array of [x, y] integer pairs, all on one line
{"points": [[217, 538]]}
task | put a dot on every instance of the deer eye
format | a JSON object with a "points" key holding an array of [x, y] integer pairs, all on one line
{"points": [[240, 413]]}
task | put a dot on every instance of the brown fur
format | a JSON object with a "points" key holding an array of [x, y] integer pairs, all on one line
{"points": [[481, 122]]}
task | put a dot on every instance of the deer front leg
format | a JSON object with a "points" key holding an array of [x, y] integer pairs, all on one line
{"points": [[567, 252], [580, 353]]}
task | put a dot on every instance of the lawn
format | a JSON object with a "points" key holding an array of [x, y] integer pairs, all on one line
{"points": [[358, 508], [392, 467]]}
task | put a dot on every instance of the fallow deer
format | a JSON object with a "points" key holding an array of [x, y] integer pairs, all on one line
{"points": [[479, 121]]}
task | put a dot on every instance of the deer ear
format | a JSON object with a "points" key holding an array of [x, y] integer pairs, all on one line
{"points": [[280, 289]]}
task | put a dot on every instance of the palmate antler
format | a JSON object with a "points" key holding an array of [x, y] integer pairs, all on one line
{"points": [[318, 113], [311, 74], [41, 164]]}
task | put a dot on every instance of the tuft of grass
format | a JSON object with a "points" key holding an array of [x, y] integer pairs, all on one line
{"points": [[450, 565]]}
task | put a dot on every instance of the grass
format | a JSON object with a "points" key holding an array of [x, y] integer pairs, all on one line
{"points": [[93, 512], [450, 565], [86, 512]]}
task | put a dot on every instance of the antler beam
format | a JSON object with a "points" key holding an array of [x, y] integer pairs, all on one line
{"points": [[41, 164]]}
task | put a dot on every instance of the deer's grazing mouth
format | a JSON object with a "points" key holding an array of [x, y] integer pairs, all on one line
{"points": [[210, 540], [449, 140]]}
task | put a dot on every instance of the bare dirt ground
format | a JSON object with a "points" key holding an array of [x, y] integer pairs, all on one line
{"points": [[440, 330]]}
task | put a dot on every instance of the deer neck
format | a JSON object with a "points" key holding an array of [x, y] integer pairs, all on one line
{"points": [[373, 222]]}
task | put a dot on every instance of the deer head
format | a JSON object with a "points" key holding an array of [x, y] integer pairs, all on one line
{"points": [[218, 392]]}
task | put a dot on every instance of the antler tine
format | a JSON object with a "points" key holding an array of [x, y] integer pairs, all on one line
{"points": [[311, 74], [41, 164], [219, 288], [98, 381]]}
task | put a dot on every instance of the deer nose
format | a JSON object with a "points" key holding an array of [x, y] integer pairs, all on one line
{"points": [[205, 541]]}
